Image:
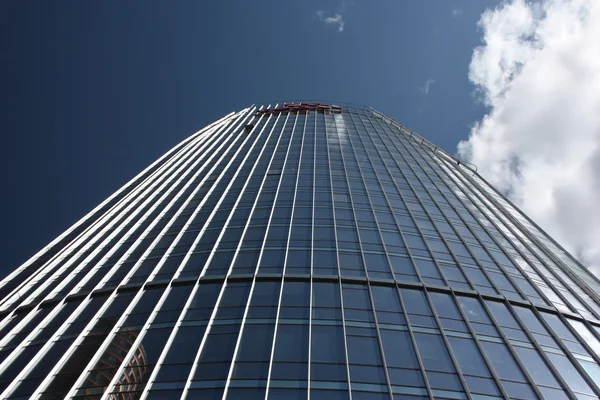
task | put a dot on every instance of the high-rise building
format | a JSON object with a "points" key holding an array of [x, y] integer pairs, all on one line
{"points": [[297, 250]]}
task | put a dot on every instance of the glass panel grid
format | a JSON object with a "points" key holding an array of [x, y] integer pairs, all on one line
{"points": [[291, 251]]}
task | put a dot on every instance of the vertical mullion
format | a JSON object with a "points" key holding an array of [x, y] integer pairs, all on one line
{"points": [[442, 334], [469, 250], [213, 175], [524, 244], [177, 324], [538, 349], [444, 240], [480, 349], [463, 190], [253, 284], [56, 334], [568, 354], [412, 217], [339, 277], [95, 319], [442, 331], [368, 286], [408, 210], [162, 203], [50, 342], [413, 340], [94, 360], [103, 223], [505, 339], [327, 135], [523, 274], [225, 168], [262, 247], [300, 152], [213, 315], [226, 224], [531, 245], [534, 343], [121, 221], [537, 248], [219, 162], [379, 340], [488, 189], [275, 329], [343, 157], [170, 154]]}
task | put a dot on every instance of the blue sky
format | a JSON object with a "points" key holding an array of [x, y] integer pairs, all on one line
{"points": [[92, 92]]}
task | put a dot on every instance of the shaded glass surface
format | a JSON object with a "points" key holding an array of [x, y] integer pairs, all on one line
{"points": [[285, 253]]}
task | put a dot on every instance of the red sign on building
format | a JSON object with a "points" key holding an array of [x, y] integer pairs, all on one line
{"points": [[288, 107]]}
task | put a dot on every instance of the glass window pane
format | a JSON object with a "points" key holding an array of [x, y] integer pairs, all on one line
{"points": [[398, 349], [503, 362], [433, 353], [468, 357], [328, 344], [537, 368]]}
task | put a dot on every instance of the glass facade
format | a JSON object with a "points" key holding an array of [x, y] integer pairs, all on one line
{"points": [[302, 251]]}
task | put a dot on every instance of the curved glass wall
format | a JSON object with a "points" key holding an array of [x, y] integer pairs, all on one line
{"points": [[294, 251]]}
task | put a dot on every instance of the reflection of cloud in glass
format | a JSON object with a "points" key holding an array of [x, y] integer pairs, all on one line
{"points": [[588, 336], [342, 131]]}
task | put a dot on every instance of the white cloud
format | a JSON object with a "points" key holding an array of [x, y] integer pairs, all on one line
{"points": [[425, 88], [456, 13], [538, 71], [337, 18]]}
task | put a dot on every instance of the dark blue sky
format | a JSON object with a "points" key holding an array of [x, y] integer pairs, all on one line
{"points": [[94, 91]]}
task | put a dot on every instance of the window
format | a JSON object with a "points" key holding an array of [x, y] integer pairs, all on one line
{"points": [[398, 349], [468, 357], [433, 353], [327, 344]]}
